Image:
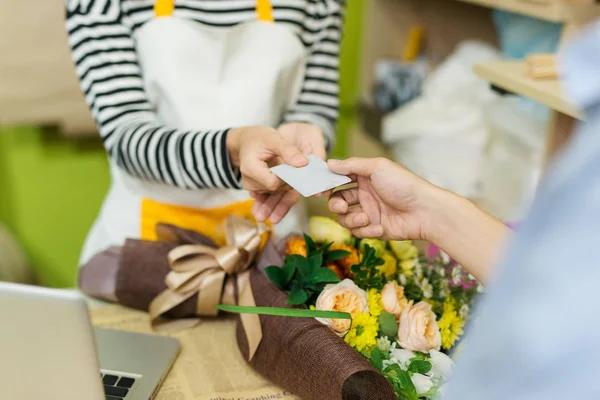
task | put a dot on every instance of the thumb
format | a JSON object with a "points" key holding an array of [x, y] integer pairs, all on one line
{"points": [[354, 166], [292, 155]]}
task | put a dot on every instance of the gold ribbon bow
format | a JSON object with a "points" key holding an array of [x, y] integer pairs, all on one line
{"points": [[213, 274]]}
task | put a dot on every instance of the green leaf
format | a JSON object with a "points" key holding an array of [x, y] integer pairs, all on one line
{"points": [[277, 276], [315, 287], [407, 384], [311, 247], [403, 380], [297, 295], [419, 367], [336, 255], [284, 312], [324, 275], [302, 265], [289, 269], [325, 247], [387, 324], [377, 358], [315, 261]]}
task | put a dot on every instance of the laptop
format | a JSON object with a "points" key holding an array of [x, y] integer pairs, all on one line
{"points": [[49, 350]]}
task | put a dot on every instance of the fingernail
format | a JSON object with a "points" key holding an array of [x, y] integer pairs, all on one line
{"points": [[339, 208], [299, 159], [359, 219], [333, 161]]}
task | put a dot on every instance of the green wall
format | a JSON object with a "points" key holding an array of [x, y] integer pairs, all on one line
{"points": [[349, 73], [51, 188], [50, 191]]}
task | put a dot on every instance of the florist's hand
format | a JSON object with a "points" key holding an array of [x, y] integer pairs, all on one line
{"points": [[257, 148], [389, 201], [309, 140], [254, 150]]}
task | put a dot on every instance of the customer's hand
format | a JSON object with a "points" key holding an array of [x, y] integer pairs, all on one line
{"points": [[389, 201], [309, 140], [393, 203]]}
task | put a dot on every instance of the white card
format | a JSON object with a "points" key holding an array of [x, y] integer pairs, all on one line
{"points": [[312, 178]]}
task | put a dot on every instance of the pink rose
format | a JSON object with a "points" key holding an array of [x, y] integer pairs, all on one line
{"points": [[418, 330], [393, 299], [346, 297]]}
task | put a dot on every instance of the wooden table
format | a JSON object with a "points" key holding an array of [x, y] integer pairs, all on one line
{"points": [[209, 367]]}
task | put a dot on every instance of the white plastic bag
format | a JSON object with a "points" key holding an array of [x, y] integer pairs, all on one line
{"points": [[514, 157], [440, 136]]}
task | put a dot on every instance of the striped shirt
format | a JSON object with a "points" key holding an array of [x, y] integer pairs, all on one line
{"points": [[101, 35]]}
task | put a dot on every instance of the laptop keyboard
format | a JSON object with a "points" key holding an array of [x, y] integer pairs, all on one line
{"points": [[116, 387]]}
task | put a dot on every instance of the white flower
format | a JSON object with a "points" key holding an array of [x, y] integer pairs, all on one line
{"points": [[471, 277], [418, 270], [422, 383], [464, 311], [441, 271], [402, 279], [401, 357], [441, 365], [444, 256], [456, 275], [479, 288], [444, 288], [384, 344], [427, 288]]}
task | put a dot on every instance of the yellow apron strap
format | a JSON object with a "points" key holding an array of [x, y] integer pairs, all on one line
{"points": [[164, 8], [264, 10]]}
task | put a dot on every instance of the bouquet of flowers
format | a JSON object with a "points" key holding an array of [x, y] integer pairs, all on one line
{"points": [[408, 311]]}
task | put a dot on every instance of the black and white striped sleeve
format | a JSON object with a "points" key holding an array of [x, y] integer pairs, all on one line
{"points": [[106, 62], [318, 102]]}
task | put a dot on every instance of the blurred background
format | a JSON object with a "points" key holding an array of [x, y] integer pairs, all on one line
{"points": [[449, 88]]}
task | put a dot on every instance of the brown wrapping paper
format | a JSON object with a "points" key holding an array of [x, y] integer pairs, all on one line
{"points": [[298, 354]]}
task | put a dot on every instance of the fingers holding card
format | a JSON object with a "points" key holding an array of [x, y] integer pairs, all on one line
{"points": [[311, 179]]}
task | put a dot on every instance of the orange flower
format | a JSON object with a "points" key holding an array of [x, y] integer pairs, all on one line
{"points": [[296, 245], [347, 262], [339, 271]]}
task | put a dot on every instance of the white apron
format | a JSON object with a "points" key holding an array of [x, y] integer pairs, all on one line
{"points": [[199, 77]]}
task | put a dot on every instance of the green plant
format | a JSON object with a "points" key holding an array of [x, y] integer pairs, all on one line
{"points": [[303, 278], [365, 273]]}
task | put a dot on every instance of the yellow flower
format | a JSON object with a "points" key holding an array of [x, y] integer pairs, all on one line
{"points": [[407, 266], [375, 304], [388, 269], [451, 325], [363, 333], [404, 249]]}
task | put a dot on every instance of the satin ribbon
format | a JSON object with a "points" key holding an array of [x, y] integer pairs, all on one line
{"points": [[215, 275]]}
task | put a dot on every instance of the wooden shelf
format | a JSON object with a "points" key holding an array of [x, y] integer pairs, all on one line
{"points": [[550, 10], [510, 75]]}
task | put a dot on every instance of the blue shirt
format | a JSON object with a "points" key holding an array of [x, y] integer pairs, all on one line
{"points": [[537, 334]]}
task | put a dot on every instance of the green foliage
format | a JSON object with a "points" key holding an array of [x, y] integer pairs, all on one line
{"points": [[419, 366], [366, 274], [387, 324], [376, 358], [303, 278], [401, 382]]}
